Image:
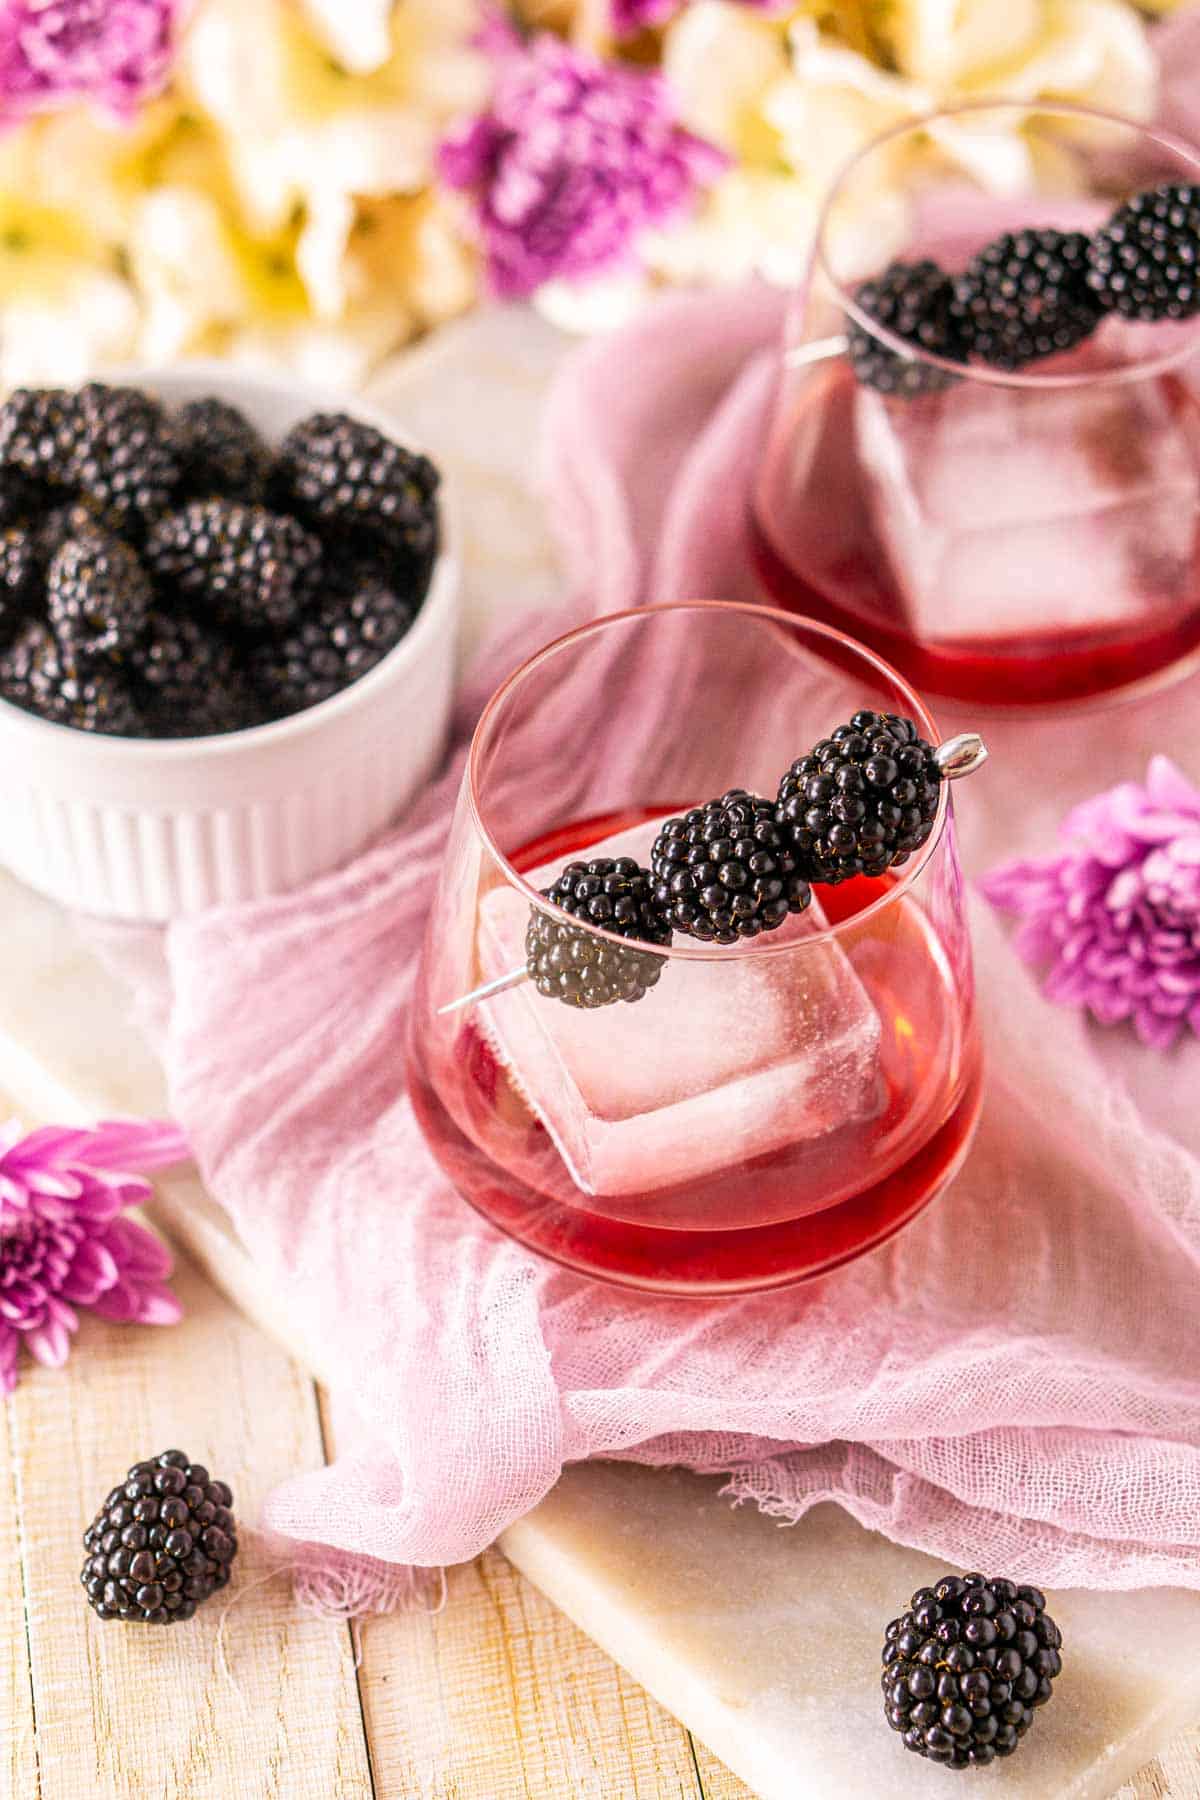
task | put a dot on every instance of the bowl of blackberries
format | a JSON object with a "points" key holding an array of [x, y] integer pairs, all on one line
{"points": [[227, 622]]}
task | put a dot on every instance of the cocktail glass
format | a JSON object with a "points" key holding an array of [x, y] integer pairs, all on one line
{"points": [[1024, 537], [766, 1110]]}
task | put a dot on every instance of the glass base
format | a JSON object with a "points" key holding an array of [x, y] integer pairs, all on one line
{"points": [[684, 1262]]}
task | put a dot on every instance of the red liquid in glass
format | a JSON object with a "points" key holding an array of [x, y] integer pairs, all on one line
{"points": [[818, 553], [931, 1083]]}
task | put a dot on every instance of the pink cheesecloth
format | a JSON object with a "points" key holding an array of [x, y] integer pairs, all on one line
{"points": [[1013, 1383]]}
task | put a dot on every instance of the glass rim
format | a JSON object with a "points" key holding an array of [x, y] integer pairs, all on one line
{"points": [[1141, 369], [766, 944]]}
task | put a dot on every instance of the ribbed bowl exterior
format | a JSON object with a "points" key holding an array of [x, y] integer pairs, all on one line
{"points": [[129, 829]]}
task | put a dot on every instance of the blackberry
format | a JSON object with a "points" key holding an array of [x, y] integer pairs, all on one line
{"points": [[109, 445], [18, 578], [1145, 263], [220, 453], [242, 564], [912, 300], [572, 964], [123, 462], [39, 439], [1025, 296], [98, 596], [36, 673], [342, 476], [862, 800], [72, 519], [333, 645], [20, 501], [163, 1542], [965, 1667], [188, 680], [727, 870]]}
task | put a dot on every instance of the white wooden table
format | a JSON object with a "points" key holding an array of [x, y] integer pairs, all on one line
{"points": [[496, 1697]]}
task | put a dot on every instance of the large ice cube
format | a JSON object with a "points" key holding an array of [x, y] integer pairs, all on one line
{"points": [[719, 1061], [1007, 511]]}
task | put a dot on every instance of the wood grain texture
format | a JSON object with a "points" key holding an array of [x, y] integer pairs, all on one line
{"points": [[497, 1697], [18, 1749], [252, 1698], [500, 1697]]}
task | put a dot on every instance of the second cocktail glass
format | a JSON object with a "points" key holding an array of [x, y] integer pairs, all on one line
{"points": [[1005, 536]]}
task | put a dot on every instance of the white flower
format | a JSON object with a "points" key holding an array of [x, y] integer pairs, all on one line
{"points": [[720, 62], [64, 309], [793, 104], [358, 32], [185, 264]]}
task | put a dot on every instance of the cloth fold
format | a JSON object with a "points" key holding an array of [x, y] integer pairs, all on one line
{"points": [[1014, 1382]]}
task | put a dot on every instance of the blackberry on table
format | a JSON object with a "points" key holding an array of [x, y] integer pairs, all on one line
{"points": [[123, 462], [1145, 263], [965, 1667], [862, 800], [913, 301], [98, 596], [572, 964], [345, 477], [727, 870], [188, 680], [335, 643], [1024, 296], [38, 674], [244, 564], [162, 1544], [220, 453]]}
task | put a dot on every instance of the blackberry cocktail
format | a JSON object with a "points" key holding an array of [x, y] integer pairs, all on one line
{"points": [[984, 458], [695, 1010]]}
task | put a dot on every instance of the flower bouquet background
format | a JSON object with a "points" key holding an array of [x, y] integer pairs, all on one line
{"points": [[312, 183]]}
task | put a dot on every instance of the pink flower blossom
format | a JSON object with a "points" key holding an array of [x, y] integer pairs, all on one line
{"points": [[114, 52], [1115, 916], [64, 1242], [630, 16], [572, 160]]}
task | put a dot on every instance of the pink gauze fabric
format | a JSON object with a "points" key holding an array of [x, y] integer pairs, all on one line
{"points": [[1015, 1382]]}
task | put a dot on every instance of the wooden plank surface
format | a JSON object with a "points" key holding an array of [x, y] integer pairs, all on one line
{"points": [[495, 1697]]}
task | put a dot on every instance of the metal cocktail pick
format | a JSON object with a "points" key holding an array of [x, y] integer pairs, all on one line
{"points": [[957, 757]]}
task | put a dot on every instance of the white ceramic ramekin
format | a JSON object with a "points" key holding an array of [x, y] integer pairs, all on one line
{"points": [[131, 829]]}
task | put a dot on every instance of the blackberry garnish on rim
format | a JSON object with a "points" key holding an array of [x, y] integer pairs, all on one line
{"points": [[912, 300], [1145, 263], [862, 800], [572, 964], [727, 870], [1025, 296], [965, 1667]]}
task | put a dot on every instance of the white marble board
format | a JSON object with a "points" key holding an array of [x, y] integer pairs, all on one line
{"points": [[763, 1640]]}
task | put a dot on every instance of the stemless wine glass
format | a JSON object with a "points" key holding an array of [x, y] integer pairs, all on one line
{"points": [[766, 1110], [1023, 536]]}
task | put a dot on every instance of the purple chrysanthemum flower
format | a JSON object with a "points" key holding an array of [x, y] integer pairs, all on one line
{"points": [[629, 16], [573, 158], [1116, 915], [64, 1242], [114, 52]]}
